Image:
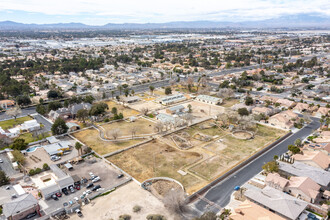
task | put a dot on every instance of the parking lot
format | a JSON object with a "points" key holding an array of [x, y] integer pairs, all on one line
{"points": [[107, 174]]}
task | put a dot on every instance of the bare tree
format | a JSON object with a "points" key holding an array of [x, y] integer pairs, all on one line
{"points": [[14, 112], [159, 126], [225, 93], [145, 111], [189, 118], [174, 200], [133, 130], [114, 133]]}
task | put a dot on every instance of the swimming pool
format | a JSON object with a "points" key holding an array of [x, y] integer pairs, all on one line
{"points": [[31, 149]]}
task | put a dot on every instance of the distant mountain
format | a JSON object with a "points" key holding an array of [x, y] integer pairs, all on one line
{"points": [[287, 21]]}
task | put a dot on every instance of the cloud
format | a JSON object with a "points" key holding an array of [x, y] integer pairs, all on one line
{"points": [[164, 11]]}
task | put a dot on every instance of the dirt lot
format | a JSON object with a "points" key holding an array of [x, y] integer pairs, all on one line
{"points": [[106, 172], [231, 151], [143, 126], [157, 159], [91, 138], [229, 103], [201, 109], [151, 105], [122, 201], [127, 112]]}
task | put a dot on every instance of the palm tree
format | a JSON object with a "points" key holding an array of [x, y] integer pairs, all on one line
{"points": [[78, 147]]}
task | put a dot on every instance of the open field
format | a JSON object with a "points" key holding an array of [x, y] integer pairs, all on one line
{"points": [[115, 204], [28, 137], [230, 151], [12, 123], [147, 104], [201, 109], [91, 138], [229, 103], [157, 159], [142, 125], [127, 112]]}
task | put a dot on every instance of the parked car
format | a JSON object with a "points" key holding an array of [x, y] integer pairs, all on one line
{"points": [[89, 185], [120, 176], [71, 189], [58, 194], [1, 161], [96, 187], [55, 158], [31, 215], [93, 177], [79, 213], [311, 216], [54, 197], [96, 179], [77, 187], [65, 191], [76, 198]]}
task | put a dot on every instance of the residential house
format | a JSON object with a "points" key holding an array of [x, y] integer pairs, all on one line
{"points": [[20, 207], [5, 104], [57, 148], [303, 188], [131, 99], [277, 202], [285, 103], [320, 176], [248, 210], [69, 112], [276, 181], [262, 110], [322, 111], [301, 107], [209, 99], [324, 137], [323, 147], [269, 98], [72, 126], [314, 158]]}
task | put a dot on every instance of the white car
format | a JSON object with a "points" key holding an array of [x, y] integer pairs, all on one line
{"points": [[1, 161], [96, 179], [76, 198]]}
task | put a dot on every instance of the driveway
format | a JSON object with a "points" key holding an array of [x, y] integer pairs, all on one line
{"points": [[25, 112], [40, 119], [220, 193], [6, 166]]}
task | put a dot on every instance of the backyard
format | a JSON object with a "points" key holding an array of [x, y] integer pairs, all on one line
{"points": [[91, 138], [12, 123]]}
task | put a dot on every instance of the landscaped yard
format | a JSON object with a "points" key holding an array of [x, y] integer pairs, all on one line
{"points": [[127, 112], [142, 126], [28, 137], [12, 123], [157, 159], [91, 138]]}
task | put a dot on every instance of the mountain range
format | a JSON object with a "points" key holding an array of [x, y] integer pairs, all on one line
{"points": [[287, 21]]}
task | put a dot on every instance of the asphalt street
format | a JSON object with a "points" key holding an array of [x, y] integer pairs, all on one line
{"points": [[47, 124], [220, 193]]}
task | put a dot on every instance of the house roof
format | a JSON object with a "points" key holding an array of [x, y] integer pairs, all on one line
{"points": [[250, 211], [306, 185], [278, 201], [19, 204], [285, 102], [65, 181], [320, 176], [318, 157], [277, 179], [72, 124], [50, 189], [208, 98]]}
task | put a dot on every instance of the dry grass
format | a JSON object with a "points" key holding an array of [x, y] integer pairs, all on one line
{"points": [[12, 122], [235, 151], [156, 159], [91, 138], [127, 112], [143, 126], [229, 103]]}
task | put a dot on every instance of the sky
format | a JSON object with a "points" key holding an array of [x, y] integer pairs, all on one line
{"points": [[100, 12]]}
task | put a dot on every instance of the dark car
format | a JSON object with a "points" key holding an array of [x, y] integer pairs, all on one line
{"points": [[31, 215], [311, 216], [120, 176], [89, 185], [96, 187], [65, 191], [54, 197]]}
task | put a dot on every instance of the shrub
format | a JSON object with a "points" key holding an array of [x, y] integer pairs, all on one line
{"points": [[124, 217], [32, 172], [137, 208], [106, 120], [155, 217], [38, 170], [45, 166]]}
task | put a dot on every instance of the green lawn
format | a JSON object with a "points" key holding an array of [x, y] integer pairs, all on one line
{"points": [[29, 138], [12, 123]]}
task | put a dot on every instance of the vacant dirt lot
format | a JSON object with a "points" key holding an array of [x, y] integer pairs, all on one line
{"points": [[201, 109], [122, 201], [231, 151], [151, 105], [229, 103], [127, 112], [91, 138], [156, 159], [142, 126]]}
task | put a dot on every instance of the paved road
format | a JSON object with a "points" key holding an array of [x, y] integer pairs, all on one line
{"points": [[47, 124], [25, 112], [220, 193]]}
